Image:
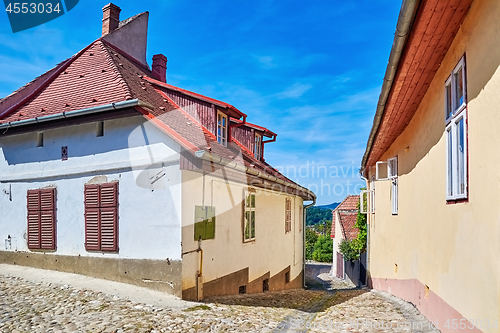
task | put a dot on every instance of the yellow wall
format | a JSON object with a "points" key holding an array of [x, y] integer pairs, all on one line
{"points": [[452, 248], [272, 251]]}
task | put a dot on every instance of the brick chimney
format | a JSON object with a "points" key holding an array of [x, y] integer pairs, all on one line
{"points": [[160, 67], [110, 18]]}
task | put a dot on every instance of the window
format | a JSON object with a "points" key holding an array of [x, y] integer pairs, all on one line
{"points": [[101, 217], [288, 215], [204, 222], [100, 128], [392, 171], [456, 134], [372, 195], [257, 149], [249, 223], [41, 206], [39, 139], [221, 128]]}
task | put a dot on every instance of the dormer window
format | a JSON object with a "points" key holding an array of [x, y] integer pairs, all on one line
{"points": [[222, 128], [257, 149]]}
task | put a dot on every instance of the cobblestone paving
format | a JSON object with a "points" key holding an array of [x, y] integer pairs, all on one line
{"points": [[41, 307]]}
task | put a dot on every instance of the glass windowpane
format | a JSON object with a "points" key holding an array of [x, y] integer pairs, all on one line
{"points": [[459, 91]]}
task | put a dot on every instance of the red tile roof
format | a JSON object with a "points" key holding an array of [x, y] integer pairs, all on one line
{"points": [[347, 222], [349, 203], [348, 211], [102, 74]]}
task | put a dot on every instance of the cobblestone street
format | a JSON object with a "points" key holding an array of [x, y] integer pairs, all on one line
{"points": [[28, 306]]}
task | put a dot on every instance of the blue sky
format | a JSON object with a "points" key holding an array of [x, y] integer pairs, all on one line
{"points": [[310, 71]]}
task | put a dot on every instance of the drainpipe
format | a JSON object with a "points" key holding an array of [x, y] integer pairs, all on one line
{"points": [[407, 15], [304, 242], [199, 277], [272, 140], [367, 235]]}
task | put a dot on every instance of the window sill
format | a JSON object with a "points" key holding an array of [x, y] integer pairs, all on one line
{"points": [[456, 201], [249, 241]]}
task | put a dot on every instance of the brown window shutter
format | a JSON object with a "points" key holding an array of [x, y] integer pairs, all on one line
{"points": [[41, 206], [92, 196], [92, 217], [33, 198], [33, 229], [48, 219], [109, 229], [101, 217], [109, 195]]}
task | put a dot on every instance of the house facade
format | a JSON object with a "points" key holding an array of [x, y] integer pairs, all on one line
{"points": [[108, 171], [431, 175], [343, 221]]}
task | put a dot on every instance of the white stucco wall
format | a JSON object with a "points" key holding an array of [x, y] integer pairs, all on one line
{"points": [[130, 152]]}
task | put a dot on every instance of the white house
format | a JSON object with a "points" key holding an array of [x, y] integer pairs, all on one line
{"points": [[107, 170]]}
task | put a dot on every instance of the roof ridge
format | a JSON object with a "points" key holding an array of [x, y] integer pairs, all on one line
{"points": [[114, 65], [46, 82], [125, 54], [192, 94]]}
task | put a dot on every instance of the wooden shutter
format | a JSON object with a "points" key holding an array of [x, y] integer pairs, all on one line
{"points": [[41, 205], [101, 217], [92, 229], [109, 195], [91, 196], [33, 229], [288, 215], [48, 219], [109, 225]]}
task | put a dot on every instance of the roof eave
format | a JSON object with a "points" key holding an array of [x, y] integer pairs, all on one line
{"points": [[407, 15]]}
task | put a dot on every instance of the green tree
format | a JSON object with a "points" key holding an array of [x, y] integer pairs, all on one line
{"points": [[311, 238], [323, 249]]}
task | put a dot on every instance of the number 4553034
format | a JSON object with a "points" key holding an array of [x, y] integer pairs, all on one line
{"points": [[32, 8]]}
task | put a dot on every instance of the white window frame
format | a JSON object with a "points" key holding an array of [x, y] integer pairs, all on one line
{"points": [[249, 209], [372, 195], [370, 208], [378, 167], [222, 128], [257, 149], [392, 174], [456, 169]]}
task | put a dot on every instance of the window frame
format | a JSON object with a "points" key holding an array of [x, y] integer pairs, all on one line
{"points": [[392, 175], [456, 169], [257, 149], [247, 208], [222, 136]]}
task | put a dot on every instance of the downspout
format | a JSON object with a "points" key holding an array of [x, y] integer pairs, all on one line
{"points": [[407, 15], [367, 237], [272, 140], [304, 242]]}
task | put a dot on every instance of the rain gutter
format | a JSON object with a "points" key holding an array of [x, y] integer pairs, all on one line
{"points": [[407, 14], [76, 113]]}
